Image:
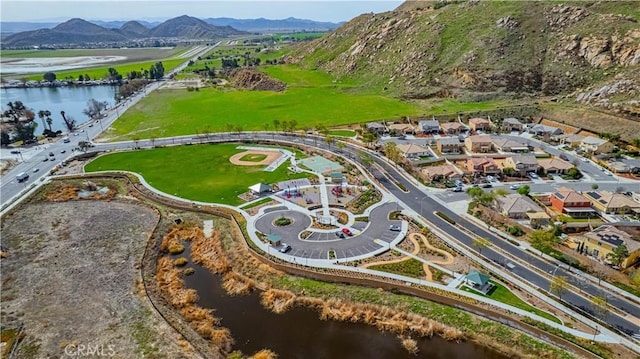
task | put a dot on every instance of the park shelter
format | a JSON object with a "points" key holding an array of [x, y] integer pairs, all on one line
{"points": [[274, 239], [260, 188], [478, 282]]}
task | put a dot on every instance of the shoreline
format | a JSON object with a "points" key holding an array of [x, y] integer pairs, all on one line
{"points": [[66, 83]]}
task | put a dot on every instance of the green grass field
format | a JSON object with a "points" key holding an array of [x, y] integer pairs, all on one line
{"points": [[199, 172], [340, 133], [310, 99], [146, 53], [504, 295], [410, 268]]}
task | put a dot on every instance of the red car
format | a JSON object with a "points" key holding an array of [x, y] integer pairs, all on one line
{"points": [[347, 231]]}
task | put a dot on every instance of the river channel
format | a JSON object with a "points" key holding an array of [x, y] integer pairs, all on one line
{"points": [[300, 333], [70, 99]]}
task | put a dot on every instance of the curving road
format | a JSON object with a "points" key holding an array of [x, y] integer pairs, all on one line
{"points": [[319, 244]]}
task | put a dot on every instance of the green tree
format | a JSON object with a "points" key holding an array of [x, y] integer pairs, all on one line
{"points": [[524, 190], [574, 173], [475, 192], [368, 138], [509, 171], [481, 243], [543, 240], [49, 76], [341, 145], [69, 122], [329, 140], [5, 139], [618, 255], [84, 145], [365, 158], [594, 186], [42, 116], [635, 142], [599, 306], [392, 152], [276, 125], [559, 286]]}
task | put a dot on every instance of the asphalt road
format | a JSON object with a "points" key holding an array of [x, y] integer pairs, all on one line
{"points": [[319, 245]]}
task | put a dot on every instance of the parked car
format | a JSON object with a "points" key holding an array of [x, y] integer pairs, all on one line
{"points": [[457, 189], [487, 185], [45, 159], [51, 154], [395, 228], [285, 248], [347, 231], [491, 178], [533, 175], [36, 170], [15, 152], [63, 151], [339, 234], [514, 186], [563, 157]]}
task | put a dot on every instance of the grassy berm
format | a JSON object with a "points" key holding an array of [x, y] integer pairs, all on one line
{"points": [[71, 278]]}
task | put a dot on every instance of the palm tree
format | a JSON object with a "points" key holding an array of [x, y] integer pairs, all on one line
{"points": [[42, 115]]}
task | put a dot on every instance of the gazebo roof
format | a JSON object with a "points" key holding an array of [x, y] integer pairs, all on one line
{"points": [[478, 278], [260, 187], [274, 238]]}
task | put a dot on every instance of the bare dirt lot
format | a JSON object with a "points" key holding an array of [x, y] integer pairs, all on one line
{"points": [[71, 278], [271, 157]]}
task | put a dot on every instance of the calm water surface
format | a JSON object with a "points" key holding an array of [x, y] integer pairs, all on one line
{"points": [[71, 100], [299, 333]]}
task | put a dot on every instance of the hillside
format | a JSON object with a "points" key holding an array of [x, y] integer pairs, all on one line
{"points": [[478, 50], [261, 24], [191, 27], [72, 31]]}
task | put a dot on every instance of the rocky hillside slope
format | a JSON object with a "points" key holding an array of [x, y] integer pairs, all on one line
{"points": [[476, 50]]}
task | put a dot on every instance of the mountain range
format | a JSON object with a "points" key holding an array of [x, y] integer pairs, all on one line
{"points": [[79, 31], [251, 25]]}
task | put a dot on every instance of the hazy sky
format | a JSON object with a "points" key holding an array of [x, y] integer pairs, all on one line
{"points": [[52, 10]]}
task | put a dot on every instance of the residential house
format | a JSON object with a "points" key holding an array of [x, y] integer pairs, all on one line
{"points": [[602, 241], [522, 164], [554, 165], [478, 143], [429, 126], [611, 202], [482, 165], [571, 139], [570, 202], [398, 129], [517, 206], [633, 164], [542, 130], [413, 151], [376, 128], [538, 219], [504, 144], [440, 173], [480, 124], [452, 128], [596, 145], [512, 124], [449, 145], [625, 166]]}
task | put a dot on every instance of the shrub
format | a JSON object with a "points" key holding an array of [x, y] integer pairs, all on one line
{"points": [[515, 231], [283, 221], [176, 248], [445, 217], [180, 262]]}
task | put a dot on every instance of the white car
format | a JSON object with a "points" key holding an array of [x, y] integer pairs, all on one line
{"points": [[514, 186], [533, 175]]}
